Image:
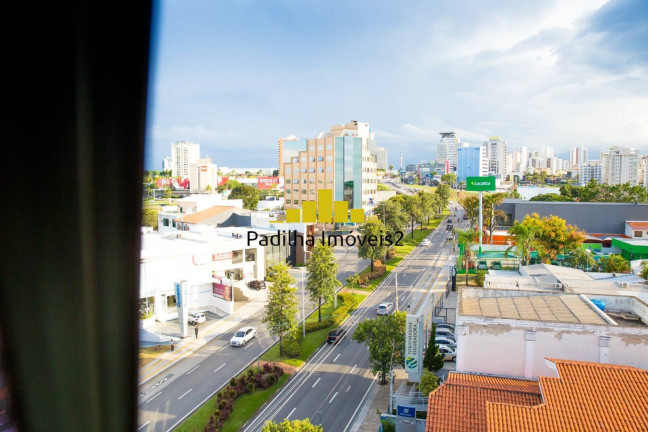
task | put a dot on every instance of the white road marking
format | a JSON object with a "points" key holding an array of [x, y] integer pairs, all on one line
{"points": [[248, 345], [192, 370], [331, 401], [186, 393], [222, 348], [354, 366], [139, 428], [293, 410], [219, 367], [158, 394], [316, 382], [336, 357]]}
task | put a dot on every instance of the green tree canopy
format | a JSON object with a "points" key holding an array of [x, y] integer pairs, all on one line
{"points": [[554, 236], [614, 264], [385, 337], [249, 195], [428, 382], [525, 240], [443, 191], [550, 197], [280, 312], [291, 426], [322, 275], [449, 178], [491, 214], [413, 209], [391, 212], [580, 258], [470, 205], [372, 248], [466, 238]]}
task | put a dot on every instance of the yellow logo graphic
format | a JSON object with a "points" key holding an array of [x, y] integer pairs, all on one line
{"points": [[324, 210]]}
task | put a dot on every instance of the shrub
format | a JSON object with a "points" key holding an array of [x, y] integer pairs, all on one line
{"points": [[480, 276], [312, 326]]}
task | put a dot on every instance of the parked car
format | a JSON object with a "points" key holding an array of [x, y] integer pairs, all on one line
{"points": [[257, 284], [445, 331], [243, 336], [425, 242], [449, 353], [196, 318], [384, 308], [496, 265], [448, 336], [334, 336], [441, 340], [481, 265], [449, 326], [450, 237]]}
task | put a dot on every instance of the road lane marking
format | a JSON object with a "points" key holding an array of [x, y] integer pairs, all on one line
{"points": [[248, 345], [158, 394], [333, 397], [186, 393], [336, 357], [192, 370], [219, 367], [222, 348], [293, 410], [316, 382], [139, 428], [353, 368]]}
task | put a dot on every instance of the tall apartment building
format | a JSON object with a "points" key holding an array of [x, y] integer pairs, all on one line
{"points": [[496, 154], [382, 160], [339, 160], [447, 149], [590, 170], [202, 173], [472, 161], [620, 165], [167, 164], [182, 154], [577, 156], [642, 175]]}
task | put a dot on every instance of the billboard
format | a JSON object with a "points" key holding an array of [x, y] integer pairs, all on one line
{"points": [[413, 357], [221, 256], [480, 183], [173, 182], [267, 182], [221, 288]]}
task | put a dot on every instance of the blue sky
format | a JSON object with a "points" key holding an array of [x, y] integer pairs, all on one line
{"points": [[235, 76]]}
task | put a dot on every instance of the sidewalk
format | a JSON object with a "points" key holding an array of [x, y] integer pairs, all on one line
{"points": [[367, 419], [207, 332]]}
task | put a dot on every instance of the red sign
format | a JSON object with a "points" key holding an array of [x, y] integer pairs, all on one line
{"points": [[222, 290], [267, 182], [221, 256], [222, 181], [174, 182]]}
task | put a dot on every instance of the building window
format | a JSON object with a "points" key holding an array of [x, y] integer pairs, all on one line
{"points": [[303, 160], [237, 256], [288, 191], [312, 192], [295, 181], [303, 170], [296, 160], [329, 169], [320, 147], [304, 191], [296, 190], [320, 169], [303, 181], [320, 158], [312, 170], [288, 170], [288, 202], [638, 233], [312, 159], [296, 201], [329, 157], [329, 146], [165, 222]]}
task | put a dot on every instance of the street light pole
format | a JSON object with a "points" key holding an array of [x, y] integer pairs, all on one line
{"points": [[396, 278], [303, 302]]}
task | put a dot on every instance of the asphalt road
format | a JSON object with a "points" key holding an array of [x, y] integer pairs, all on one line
{"points": [[167, 399], [332, 385]]}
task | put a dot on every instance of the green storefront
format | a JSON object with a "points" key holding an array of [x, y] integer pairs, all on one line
{"points": [[632, 249]]}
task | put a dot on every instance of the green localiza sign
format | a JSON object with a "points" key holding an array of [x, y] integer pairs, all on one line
{"points": [[480, 183]]}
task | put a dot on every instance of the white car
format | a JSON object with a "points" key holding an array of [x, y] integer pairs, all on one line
{"points": [[450, 337], [196, 318], [449, 353], [384, 308], [445, 331], [243, 336], [440, 340], [425, 242]]}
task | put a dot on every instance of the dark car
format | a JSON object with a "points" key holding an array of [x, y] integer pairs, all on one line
{"points": [[335, 335], [257, 285]]}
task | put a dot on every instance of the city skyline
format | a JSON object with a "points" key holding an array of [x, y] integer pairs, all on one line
{"points": [[244, 75]]}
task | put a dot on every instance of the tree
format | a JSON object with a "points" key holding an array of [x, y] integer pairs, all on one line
{"points": [[209, 189], [248, 194], [167, 193], [373, 247], [391, 213], [449, 178], [614, 263], [491, 214], [275, 173], [291, 426], [385, 337], [428, 382], [466, 238], [470, 205], [412, 207], [322, 272], [525, 240], [443, 192], [550, 197], [391, 168], [554, 236], [644, 270], [428, 204], [280, 312], [580, 258], [150, 218], [433, 358]]}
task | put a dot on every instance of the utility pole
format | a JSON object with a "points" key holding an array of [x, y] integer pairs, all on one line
{"points": [[396, 278], [303, 303], [481, 221]]}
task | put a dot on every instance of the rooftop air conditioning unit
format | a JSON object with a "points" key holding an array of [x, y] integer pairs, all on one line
{"points": [[558, 285], [624, 284]]}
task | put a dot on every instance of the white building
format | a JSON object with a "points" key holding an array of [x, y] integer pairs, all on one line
{"points": [[382, 160], [168, 215], [496, 154], [202, 174], [577, 157], [642, 175], [183, 153], [447, 149], [510, 326], [167, 164], [590, 170], [620, 165]]}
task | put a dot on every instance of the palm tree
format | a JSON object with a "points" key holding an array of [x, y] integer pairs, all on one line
{"points": [[491, 214], [525, 240], [466, 238]]}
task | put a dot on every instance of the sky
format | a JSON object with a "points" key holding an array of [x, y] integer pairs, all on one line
{"points": [[235, 76]]}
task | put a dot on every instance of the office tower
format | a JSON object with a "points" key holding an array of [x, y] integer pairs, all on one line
{"points": [[167, 163], [496, 154], [643, 171], [447, 149], [401, 161], [577, 156], [381, 158], [339, 160], [620, 165], [590, 170], [549, 152], [203, 175], [182, 154], [472, 161]]}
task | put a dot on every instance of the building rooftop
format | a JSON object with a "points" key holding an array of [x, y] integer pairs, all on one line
{"points": [[563, 308], [638, 225], [200, 216]]}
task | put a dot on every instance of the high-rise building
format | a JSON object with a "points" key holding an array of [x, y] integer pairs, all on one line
{"points": [[642, 176], [620, 165], [590, 170], [447, 149], [339, 160], [382, 161], [203, 175], [577, 156], [167, 163], [496, 154], [472, 161], [182, 154]]}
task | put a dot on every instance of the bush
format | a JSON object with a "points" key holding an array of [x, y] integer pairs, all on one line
{"points": [[292, 345], [480, 276], [312, 326]]}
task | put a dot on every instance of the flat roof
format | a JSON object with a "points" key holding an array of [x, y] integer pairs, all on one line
{"points": [[563, 308]]}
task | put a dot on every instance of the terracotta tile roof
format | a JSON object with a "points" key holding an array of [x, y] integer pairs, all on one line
{"points": [[587, 397], [203, 214], [459, 404], [638, 225]]}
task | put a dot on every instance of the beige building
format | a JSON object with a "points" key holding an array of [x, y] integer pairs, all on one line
{"points": [[339, 160]]}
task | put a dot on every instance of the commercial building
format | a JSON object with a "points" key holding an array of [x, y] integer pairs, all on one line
{"points": [[382, 159], [167, 163], [168, 215], [577, 157], [203, 175], [496, 154], [183, 153], [642, 173], [572, 396], [447, 149], [590, 170], [339, 160], [620, 165], [472, 161]]}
